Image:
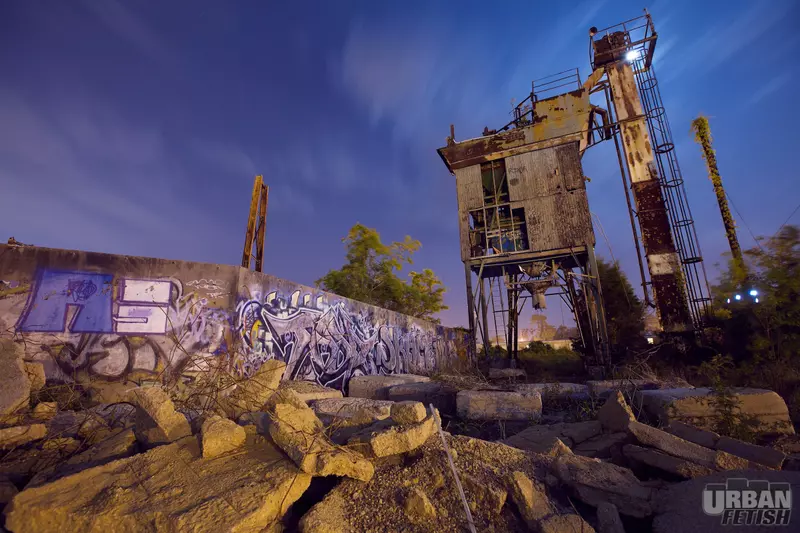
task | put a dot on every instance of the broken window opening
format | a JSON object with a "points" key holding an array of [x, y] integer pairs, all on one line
{"points": [[498, 229], [495, 182]]}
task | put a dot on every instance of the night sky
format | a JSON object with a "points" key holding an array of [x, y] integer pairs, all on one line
{"points": [[136, 127]]}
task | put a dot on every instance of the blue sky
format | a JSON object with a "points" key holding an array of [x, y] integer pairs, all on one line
{"points": [[136, 127]]}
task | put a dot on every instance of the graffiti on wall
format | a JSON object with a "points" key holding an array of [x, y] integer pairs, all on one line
{"points": [[91, 322], [329, 344]]}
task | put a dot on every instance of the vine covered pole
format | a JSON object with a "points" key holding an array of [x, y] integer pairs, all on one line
{"points": [[702, 134]]}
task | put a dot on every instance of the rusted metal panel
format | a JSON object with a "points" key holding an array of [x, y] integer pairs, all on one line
{"points": [[653, 219], [635, 137], [670, 302], [533, 174], [561, 115], [569, 165], [558, 221], [470, 196]]}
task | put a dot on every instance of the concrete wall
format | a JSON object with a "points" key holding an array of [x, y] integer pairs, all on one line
{"points": [[90, 316]]}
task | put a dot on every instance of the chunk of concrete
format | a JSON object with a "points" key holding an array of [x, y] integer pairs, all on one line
{"points": [[560, 523], [763, 455], [506, 373], [45, 411], [594, 481], [15, 389], [579, 432], [498, 405], [381, 440], [667, 463], [676, 446], [608, 519], [284, 395], [408, 412], [170, 487], [699, 436], [299, 433], [697, 407], [601, 446], [615, 414], [309, 391], [481, 494], [374, 387], [220, 435], [251, 394], [363, 410], [539, 439], [157, 421], [532, 503], [12, 437], [606, 387], [326, 516], [441, 395], [36, 375], [418, 507], [555, 391]]}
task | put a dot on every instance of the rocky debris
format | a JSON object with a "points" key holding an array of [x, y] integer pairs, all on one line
{"points": [[15, 388], [558, 448], [119, 445], [374, 387], [157, 421], [7, 492], [699, 436], [601, 446], [299, 433], [488, 496], [606, 387], [45, 411], [608, 519], [696, 407], [541, 438], [283, 395], [251, 394], [615, 413], [564, 522], [555, 391], [170, 487], [408, 412], [758, 454], [355, 410], [679, 507], [418, 507], [668, 463], [12, 437], [220, 435], [441, 395], [505, 374], [498, 405], [382, 440], [327, 516], [594, 481], [64, 445], [309, 391], [36, 376], [537, 511]]}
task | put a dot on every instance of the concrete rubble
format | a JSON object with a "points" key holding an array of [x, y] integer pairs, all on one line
{"points": [[156, 464]]}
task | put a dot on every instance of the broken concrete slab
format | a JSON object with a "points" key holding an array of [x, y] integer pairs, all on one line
{"points": [[498, 405], [45, 411], [560, 523], [251, 394], [408, 412], [696, 407], [699, 436], [763, 455], [532, 503], [15, 388], [601, 446], [580, 432], [157, 421], [615, 414], [555, 391], [665, 462], [383, 439], [219, 435], [608, 519], [374, 387], [36, 375], [363, 410], [299, 433], [14, 436], [595, 481], [604, 388], [441, 395], [326, 516], [539, 439], [483, 495], [309, 391], [506, 373], [418, 506], [170, 487]]}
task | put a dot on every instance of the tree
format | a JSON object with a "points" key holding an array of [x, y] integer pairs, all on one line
{"points": [[370, 276], [542, 331], [624, 310]]}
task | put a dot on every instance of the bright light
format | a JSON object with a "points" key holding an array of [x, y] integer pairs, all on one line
{"points": [[738, 296], [632, 55], [729, 300], [753, 292], [756, 300], [650, 340]]}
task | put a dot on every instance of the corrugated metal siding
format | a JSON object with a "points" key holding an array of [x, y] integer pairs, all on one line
{"points": [[470, 196], [558, 221]]}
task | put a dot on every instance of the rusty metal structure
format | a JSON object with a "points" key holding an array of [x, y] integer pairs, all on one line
{"points": [[524, 219], [256, 227]]}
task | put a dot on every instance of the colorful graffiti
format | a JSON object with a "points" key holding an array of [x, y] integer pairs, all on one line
{"points": [[90, 322], [329, 344], [99, 325]]}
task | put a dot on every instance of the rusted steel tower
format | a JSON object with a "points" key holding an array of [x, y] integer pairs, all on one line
{"points": [[256, 227]]}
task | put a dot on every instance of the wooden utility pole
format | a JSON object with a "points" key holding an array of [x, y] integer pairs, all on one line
{"points": [[256, 226], [702, 134]]}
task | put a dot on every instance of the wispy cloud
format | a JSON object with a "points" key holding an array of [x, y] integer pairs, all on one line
{"points": [[770, 87]]}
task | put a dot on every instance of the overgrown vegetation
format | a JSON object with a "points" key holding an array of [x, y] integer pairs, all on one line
{"points": [[371, 276], [624, 310]]}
